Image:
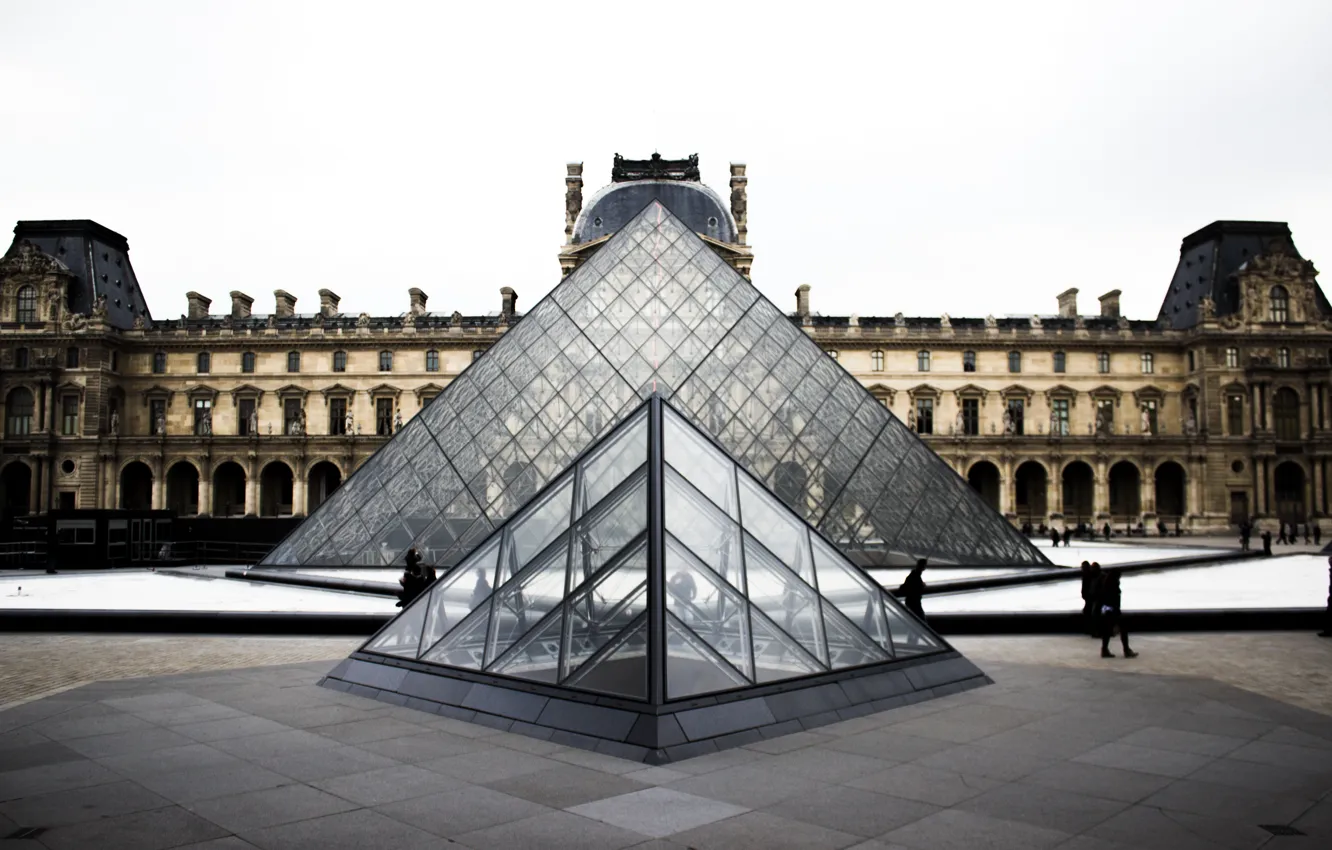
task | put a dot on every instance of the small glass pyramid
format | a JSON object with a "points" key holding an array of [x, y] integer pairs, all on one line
{"points": [[655, 310], [655, 575]]}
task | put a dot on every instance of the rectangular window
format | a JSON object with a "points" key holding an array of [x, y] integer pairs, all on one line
{"points": [[291, 416], [432, 361], [1191, 367], [26, 311], [383, 416], [293, 361], [159, 363], [69, 415], [971, 416], [339, 361], [924, 416], [244, 411], [203, 416], [1059, 421], [1059, 361], [337, 416], [157, 412], [1103, 362], [1283, 358], [922, 361], [71, 358], [1015, 361], [1148, 363], [876, 360], [1232, 358], [1235, 415], [386, 361], [247, 362], [205, 363], [1105, 416], [1017, 412], [968, 361]]}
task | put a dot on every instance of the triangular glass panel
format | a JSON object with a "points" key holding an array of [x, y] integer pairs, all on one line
{"points": [[692, 667], [707, 605], [785, 598], [403, 635], [703, 528], [598, 613], [536, 655], [607, 529], [464, 646], [852, 592], [622, 668], [910, 637], [777, 656], [848, 646], [531, 595], [455, 596]]}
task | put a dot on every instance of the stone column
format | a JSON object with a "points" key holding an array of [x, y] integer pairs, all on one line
{"points": [[1147, 493], [251, 489], [1101, 489], [205, 494], [1316, 503], [297, 494], [34, 486], [159, 491], [1255, 409], [1007, 488]]}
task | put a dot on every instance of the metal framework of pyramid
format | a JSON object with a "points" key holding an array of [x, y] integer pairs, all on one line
{"points": [[655, 601], [655, 310]]}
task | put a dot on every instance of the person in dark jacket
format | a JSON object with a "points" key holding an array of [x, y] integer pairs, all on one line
{"points": [[1106, 529], [1111, 614], [912, 589], [1068, 535], [1281, 533], [1246, 531], [1054, 537], [1091, 577], [1318, 534], [413, 579], [1267, 543]]}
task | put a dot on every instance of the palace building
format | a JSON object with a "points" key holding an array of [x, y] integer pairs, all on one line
{"points": [[1214, 410]]}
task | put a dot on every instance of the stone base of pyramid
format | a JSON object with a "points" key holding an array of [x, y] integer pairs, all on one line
{"points": [[653, 734]]}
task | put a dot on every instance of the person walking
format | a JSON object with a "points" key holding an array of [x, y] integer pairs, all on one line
{"points": [[1054, 537], [912, 589], [1106, 530], [1245, 531], [1317, 533], [1109, 606], [413, 579], [1091, 577], [1267, 543], [1068, 535], [1281, 533]]}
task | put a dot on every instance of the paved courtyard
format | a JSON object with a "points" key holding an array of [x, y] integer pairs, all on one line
{"points": [[1095, 756]]}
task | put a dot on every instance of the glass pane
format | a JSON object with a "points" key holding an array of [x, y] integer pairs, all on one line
{"points": [[699, 462], [536, 656], [464, 646], [540, 524], [703, 529], [691, 666], [847, 645], [788, 601], [403, 635], [774, 526], [522, 602], [602, 611], [852, 592], [613, 462], [460, 593], [606, 531], [708, 605], [909, 637], [776, 655], [622, 671]]}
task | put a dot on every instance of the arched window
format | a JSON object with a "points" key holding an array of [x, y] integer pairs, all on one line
{"points": [[1286, 413], [1280, 304], [386, 361], [1283, 358], [159, 362], [876, 360], [339, 361], [18, 412], [1060, 361], [247, 362], [968, 361], [922, 361], [293, 361], [1015, 361], [1103, 362], [432, 361], [27, 304], [205, 362]]}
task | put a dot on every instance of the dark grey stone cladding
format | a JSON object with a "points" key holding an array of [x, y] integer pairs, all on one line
{"points": [[662, 734]]}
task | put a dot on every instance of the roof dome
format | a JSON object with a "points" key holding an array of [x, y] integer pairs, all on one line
{"points": [[693, 203]]}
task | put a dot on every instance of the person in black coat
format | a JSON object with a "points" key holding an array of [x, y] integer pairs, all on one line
{"points": [[1111, 614], [912, 589], [1091, 577], [1267, 543], [1054, 537], [1106, 530], [414, 578], [1068, 535]]}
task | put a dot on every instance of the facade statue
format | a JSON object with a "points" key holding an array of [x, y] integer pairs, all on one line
{"points": [[140, 324], [899, 320], [350, 427], [298, 423], [1036, 322], [254, 423], [911, 420], [397, 421], [1055, 429], [959, 425], [206, 424], [99, 309], [945, 321], [363, 320], [1101, 421], [115, 423], [991, 321], [456, 320], [409, 320], [1190, 423], [1008, 423], [1146, 420], [159, 426]]}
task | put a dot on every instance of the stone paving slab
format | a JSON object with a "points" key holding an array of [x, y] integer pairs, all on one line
{"points": [[1091, 757]]}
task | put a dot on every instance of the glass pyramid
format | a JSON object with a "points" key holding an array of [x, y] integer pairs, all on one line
{"points": [[655, 310], [655, 575]]}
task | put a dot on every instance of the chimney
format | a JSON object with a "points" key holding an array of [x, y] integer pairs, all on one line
{"points": [[240, 304], [740, 201], [1068, 303], [419, 299], [508, 302], [1110, 305], [286, 304], [328, 303], [802, 300], [198, 308], [573, 199]]}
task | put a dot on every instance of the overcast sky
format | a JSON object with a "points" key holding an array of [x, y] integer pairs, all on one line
{"points": [[922, 158]]}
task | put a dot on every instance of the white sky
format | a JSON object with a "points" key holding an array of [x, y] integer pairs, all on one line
{"points": [[923, 158]]}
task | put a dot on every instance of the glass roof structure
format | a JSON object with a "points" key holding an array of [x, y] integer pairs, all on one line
{"points": [[654, 311], [656, 578], [745, 594]]}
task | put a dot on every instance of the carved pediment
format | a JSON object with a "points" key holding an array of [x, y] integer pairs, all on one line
{"points": [[292, 391], [337, 391], [246, 391], [1015, 391], [1107, 391], [158, 392], [425, 390], [1060, 391], [923, 391], [384, 390], [31, 260], [970, 391], [1148, 393], [201, 391]]}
